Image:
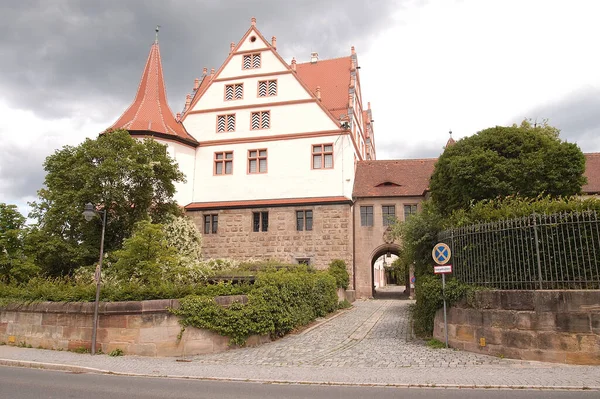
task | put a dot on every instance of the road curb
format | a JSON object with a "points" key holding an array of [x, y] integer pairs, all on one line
{"points": [[82, 369]]}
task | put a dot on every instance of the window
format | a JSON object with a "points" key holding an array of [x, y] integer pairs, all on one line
{"points": [[260, 120], [322, 156], [211, 223], [260, 221], [389, 214], [409, 210], [251, 61], [257, 161], [226, 123], [224, 163], [366, 216], [303, 261], [304, 220], [267, 88], [234, 91]]}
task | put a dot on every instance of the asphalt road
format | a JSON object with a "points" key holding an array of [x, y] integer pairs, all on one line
{"points": [[22, 383]]}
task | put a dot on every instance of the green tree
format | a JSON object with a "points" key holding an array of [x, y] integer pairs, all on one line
{"points": [[132, 179], [15, 266], [526, 160]]}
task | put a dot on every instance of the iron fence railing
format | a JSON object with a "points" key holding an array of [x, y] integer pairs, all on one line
{"points": [[558, 251]]}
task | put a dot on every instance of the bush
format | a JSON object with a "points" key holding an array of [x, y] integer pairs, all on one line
{"points": [[428, 290], [337, 268], [279, 302]]}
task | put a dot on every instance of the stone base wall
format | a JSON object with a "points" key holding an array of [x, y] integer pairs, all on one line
{"points": [[551, 326], [142, 328], [330, 238]]}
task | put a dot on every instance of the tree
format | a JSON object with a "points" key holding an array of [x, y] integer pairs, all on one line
{"points": [[132, 179], [526, 160], [15, 266]]}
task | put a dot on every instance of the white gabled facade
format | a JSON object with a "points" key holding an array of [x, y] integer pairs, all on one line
{"points": [[297, 121]]}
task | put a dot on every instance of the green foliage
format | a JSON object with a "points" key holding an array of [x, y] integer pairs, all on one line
{"points": [[526, 160], [514, 207], [181, 233], [145, 255], [399, 270], [15, 265], [344, 304], [116, 352], [428, 290], [337, 268], [132, 179], [81, 349], [279, 302], [68, 290]]}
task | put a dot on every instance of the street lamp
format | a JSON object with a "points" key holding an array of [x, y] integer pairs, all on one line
{"points": [[89, 213]]}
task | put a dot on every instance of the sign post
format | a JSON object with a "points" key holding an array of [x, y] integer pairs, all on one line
{"points": [[441, 255]]}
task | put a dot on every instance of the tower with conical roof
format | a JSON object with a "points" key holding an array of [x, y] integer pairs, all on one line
{"points": [[149, 115]]}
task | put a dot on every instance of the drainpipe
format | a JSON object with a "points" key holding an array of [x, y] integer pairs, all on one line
{"points": [[354, 247]]}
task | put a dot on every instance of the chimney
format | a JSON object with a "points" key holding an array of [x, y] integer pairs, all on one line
{"points": [[294, 64], [314, 57], [196, 84], [231, 47], [274, 42], [253, 21], [212, 73], [319, 93], [204, 71]]}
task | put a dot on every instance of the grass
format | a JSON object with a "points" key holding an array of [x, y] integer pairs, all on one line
{"points": [[435, 344], [116, 352]]}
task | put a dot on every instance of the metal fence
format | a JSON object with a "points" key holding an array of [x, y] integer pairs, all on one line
{"points": [[558, 251]]}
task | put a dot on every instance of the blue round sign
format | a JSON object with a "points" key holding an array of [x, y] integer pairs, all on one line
{"points": [[413, 279]]}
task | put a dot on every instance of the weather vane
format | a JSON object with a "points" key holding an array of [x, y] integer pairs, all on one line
{"points": [[157, 29]]}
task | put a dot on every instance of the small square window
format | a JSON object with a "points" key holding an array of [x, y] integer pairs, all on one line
{"points": [[389, 214], [234, 92], [251, 61], [225, 123], [257, 161], [211, 223], [304, 220], [260, 221], [223, 163], [322, 156], [267, 88], [366, 216], [260, 120]]}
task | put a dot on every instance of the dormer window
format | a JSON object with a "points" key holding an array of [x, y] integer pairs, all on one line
{"points": [[251, 61], [388, 184]]}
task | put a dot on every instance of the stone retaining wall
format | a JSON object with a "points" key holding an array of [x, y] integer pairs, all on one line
{"points": [[552, 326], [143, 328]]}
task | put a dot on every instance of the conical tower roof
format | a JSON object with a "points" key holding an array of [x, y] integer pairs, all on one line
{"points": [[149, 114]]}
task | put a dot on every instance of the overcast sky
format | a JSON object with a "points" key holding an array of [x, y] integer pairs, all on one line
{"points": [[70, 68]]}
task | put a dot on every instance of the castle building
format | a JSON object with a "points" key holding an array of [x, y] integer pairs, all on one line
{"points": [[280, 159]]}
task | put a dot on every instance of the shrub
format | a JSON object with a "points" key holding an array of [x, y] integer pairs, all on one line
{"points": [[279, 302], [337, 268]]}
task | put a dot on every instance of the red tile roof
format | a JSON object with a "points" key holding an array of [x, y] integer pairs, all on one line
{"points": [[150, 113], [592, 172], [333, 77], [399, 178]]}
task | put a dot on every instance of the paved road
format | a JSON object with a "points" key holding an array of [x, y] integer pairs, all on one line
{"points": [[368, 344], [37, 384]]}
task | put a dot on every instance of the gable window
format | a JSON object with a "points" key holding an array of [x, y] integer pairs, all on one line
{"points": [[226, 123], [409, 210], [304, 220], [223, 163], [257, 161], [251, 61], [322, 156], [267, 88], [211, 223], [260, 120], [260, 221], [366, 216], [234, 91], [389, 214]]}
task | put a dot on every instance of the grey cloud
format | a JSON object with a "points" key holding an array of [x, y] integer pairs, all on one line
{"points": [[576, 115], [405, 150], [62, 56]]}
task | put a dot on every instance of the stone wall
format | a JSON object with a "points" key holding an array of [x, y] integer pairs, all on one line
{"points": [[330, 238], [142, 328], [552, 326]]}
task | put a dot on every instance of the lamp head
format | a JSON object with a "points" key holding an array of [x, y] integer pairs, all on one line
{"points": [[89, 212]]}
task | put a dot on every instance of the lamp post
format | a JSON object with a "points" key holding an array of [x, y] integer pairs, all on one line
{"points": [[89, 213]]}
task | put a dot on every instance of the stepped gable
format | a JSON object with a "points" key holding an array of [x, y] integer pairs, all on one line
{"points": [[592, 172], [149, 114], [333, 78], [398, 178]]}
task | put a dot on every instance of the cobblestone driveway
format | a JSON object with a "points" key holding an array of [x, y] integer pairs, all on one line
{"points": [[373, 334]]}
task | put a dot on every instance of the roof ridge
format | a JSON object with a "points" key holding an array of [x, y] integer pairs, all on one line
{"points": [[324, 60]]}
